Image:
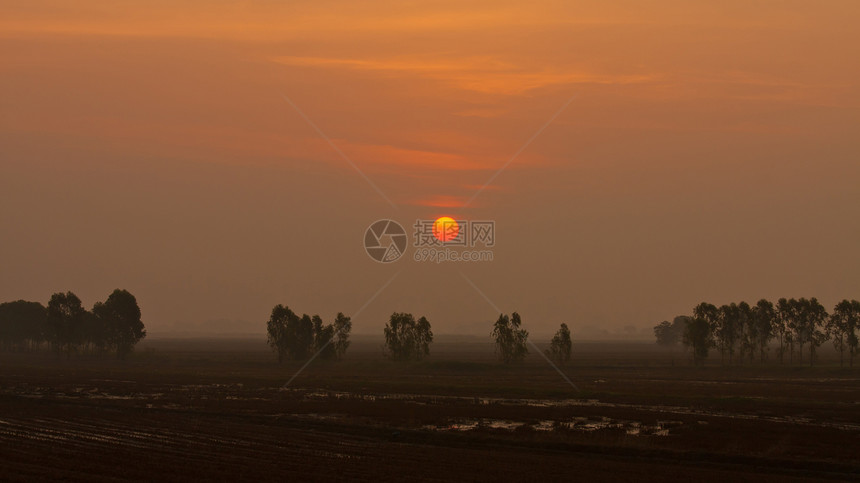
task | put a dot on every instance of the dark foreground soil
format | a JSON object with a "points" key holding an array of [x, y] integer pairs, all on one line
{"points": [[171, 414]]}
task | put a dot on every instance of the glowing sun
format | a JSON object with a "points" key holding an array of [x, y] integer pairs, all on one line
{"points": [[445, 229]]}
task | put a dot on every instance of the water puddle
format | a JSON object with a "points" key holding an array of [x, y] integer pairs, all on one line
{"points": [[582, 424], [664, 409]]}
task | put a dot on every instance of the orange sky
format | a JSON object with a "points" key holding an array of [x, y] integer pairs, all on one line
{"points": [[710, 153]]}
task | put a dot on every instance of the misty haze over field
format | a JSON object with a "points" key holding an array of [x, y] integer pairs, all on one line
{"points": [[492, 240], [709, 153]]}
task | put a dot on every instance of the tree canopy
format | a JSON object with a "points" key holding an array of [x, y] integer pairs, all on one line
{"points": [[67, 327], [748, 330], [842, 328], [560, 346], [23, 325], [510, 338], [670, 333], [407, 338], [297, 338], [118, 323]]}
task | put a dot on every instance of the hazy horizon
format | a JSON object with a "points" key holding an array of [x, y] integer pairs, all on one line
{"points": [[709, 153]]}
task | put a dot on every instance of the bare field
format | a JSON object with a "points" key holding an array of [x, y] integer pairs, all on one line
{"points": [[218, 409]]}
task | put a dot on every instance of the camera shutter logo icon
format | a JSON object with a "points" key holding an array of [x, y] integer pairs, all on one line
{"points": [[385, 241]]}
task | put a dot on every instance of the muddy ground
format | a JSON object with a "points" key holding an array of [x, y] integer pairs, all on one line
{"points": [[220, 410]]}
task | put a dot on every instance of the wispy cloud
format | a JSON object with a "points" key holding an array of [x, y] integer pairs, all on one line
{"points": [[441, 201], [384, 154], [481, 74], [485, 112]]}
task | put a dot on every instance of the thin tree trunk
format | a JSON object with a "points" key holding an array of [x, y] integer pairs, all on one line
{"points": [[841, 354], [781, 349]]}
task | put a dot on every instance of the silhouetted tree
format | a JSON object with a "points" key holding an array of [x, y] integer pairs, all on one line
{"points": [[423, 337], [323, 338], [762, 326], [727, 330], [117, 324], [785, 315], [94, 331], [750, 329], [711, 315], [23, 325], [746, 332], [664, 335], [65, 319], [697, 336], [510, 338], [559, 348], [398, 336], [796, 324], [812, 317], [842, 327], [804, 319], [342, 327], [301, 341], [297, 338], [317, 324], [278, 330], [670, 333], [406, 338], [67, 326]]}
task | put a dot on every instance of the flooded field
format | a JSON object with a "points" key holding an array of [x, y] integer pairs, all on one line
{"points": [[232, 413]]}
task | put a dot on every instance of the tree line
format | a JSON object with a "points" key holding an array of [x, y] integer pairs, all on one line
{"points": [[511, 340], [297, 338], [406, 338], [740, 331], [65, 326]]}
